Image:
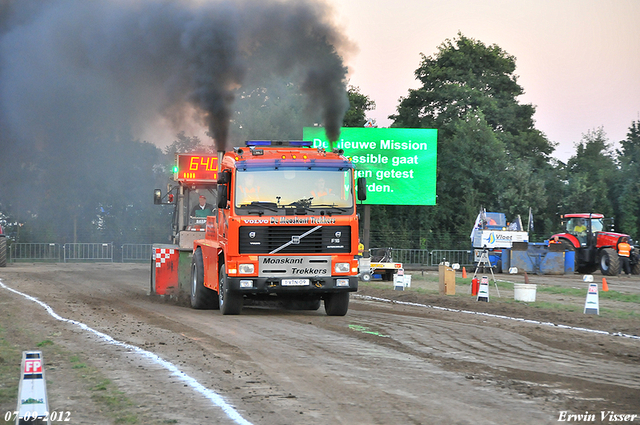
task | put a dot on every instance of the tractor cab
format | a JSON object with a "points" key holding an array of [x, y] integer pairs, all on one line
{"points": [[584, 226]]}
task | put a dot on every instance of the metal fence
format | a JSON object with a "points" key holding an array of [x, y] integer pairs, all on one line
{"points": [[35, 252], [411, 257], [136, 252], [462, 257], [73, 252], [88, 252]]}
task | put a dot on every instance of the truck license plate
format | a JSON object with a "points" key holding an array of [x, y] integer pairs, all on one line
{"points": [[295, 282]]}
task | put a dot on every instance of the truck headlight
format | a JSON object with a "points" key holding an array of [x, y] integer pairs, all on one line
{"points": [[342, 267], [246, 283], [246, 268], [342, 282]]}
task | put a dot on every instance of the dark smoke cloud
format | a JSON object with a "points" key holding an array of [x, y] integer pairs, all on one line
{"points": [[71, 69]]}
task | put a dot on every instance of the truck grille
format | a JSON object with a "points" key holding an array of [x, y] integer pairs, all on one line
{"points": [[265, 239]]}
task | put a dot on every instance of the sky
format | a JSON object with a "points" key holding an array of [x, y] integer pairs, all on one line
{"points": [[578, 61]]}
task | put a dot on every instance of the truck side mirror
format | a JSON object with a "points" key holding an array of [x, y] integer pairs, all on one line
{"points": [[157, 196], [362, 188], [222, 196]]}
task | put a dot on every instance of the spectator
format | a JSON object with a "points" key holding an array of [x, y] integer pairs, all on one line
{"points": [[624, 251]]}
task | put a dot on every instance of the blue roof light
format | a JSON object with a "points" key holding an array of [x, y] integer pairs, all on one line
{"points": [[298, 143]]}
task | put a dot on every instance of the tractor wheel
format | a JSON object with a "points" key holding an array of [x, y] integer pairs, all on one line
{"points": [[609, 262], [336, 304], [230, 302], [201, 296], [3, 251], [635, 269]]}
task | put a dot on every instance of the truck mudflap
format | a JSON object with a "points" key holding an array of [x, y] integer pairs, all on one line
{"points": [[309, 285]]}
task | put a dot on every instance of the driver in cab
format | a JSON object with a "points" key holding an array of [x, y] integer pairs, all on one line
{"points": [[203, 209], [320, 190], [248, 190], [580, 227]]}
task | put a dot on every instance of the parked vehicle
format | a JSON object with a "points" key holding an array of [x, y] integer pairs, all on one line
{"points": [[595, 247], [492, 233]]}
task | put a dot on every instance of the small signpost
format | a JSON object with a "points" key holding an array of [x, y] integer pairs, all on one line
{"points": [[483, 291], [591, 305], [32, 393]]}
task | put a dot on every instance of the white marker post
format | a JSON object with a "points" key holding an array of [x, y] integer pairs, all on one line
{"points": [[591, 305], [32, 393], [483, 291]]}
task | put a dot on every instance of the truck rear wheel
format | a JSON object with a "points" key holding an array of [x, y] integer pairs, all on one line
{"points": [[230, 302], [336, 304], [201, 297], [609, 262]]}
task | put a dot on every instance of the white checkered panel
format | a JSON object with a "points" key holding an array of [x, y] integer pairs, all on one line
{"points": [[162, 255]]}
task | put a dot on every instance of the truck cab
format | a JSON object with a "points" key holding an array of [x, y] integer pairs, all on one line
{"points": [[286, 227]]}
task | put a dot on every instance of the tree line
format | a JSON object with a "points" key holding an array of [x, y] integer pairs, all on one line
{"points": [[99, 187]]}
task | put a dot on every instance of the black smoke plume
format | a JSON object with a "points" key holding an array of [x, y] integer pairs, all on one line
{"points": [[71, 69]]}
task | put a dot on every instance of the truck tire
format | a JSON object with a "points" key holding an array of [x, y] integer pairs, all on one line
{"points": [[201, 297], [230, 302], [609, 262], [365, 277], [336, 304], [3, 251]]}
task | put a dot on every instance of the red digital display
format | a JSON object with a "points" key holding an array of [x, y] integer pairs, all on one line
{"points": [[196, 168]]}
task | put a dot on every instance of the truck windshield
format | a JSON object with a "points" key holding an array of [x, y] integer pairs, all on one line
{"points": [[294, 187]]}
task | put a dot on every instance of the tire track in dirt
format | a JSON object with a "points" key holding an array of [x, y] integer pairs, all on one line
{"points": [[496, 347]]}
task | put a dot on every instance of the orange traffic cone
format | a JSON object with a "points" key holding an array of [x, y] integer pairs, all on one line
{"points": [[605, 287], [464, 273]]}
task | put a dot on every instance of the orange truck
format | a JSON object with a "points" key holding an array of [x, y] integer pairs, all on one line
{"points": [[284, 228]]}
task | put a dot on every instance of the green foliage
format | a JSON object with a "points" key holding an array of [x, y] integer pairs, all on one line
{"points": [[272, 109], [359, 104], [489, 153], [186, 144], [96, 186], [592, 176], [629, 182]]}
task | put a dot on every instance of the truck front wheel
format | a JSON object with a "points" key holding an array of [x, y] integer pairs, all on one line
{"points": [[201, 297], [230, 302], [609, 262], [336, 304]]}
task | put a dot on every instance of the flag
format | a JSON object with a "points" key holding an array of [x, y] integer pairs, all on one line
{"points": [[476, 225], [530, 220], [481, 221]]}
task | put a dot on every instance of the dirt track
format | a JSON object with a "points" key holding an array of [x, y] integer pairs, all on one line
{"points": [[383, 363]]}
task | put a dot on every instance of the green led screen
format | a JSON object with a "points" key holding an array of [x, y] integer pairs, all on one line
{"points": [[399, 163]]}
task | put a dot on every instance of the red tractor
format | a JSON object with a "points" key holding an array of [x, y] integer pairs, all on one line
{"points": [[594, 246]]}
